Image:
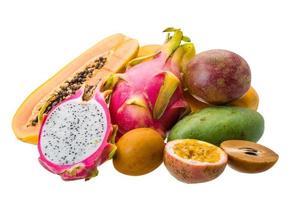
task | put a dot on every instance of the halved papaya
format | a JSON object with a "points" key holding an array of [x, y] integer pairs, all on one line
{"points": [[106, 57]]}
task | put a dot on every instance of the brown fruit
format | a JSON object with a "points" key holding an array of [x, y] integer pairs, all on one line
{"points": [[194, 161], [249, 157], [139, 152]]}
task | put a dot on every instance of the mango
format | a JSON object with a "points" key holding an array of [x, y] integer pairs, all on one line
{"points": [[220, 123], [139, 152], [249, 100]]}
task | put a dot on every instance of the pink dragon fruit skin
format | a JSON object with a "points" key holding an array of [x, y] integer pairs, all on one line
{"points": [[149, 94], [87, 167]]}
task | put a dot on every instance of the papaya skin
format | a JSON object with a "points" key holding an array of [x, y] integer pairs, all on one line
{"points": [[118, 48]]}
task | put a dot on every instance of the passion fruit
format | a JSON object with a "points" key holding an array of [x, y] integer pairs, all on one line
{"points": [[139, 152], [249, 157], [194, 161], [217, 76]]}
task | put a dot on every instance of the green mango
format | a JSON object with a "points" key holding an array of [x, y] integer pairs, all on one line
{"points": [[217, 124]]}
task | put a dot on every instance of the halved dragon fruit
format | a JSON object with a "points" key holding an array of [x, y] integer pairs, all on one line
{"points": [[77, 136], [149, 94]]}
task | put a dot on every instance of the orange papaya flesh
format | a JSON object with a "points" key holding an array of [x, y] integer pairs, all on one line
{"points": [[116, 49], [117, 61]]}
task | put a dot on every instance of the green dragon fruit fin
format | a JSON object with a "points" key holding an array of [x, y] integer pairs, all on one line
{"points": [[111, 81], [140, 59], [114, 134], [189, 53], [74, 169], [186, 39], [112, 151], [174, 41], [177, 56], [170, 84], [183, 54], [138, 101], [92, 173], [168, 37]]}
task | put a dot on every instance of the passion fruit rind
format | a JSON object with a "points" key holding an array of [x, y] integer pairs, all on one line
{"points": [[191, 170]]}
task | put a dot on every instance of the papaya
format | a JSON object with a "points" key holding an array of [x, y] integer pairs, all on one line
{"points": [[108, 56]]}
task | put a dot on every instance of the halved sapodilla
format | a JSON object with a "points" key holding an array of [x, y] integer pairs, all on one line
{"points": [[249, 157], [194, 161], [110, 55]]}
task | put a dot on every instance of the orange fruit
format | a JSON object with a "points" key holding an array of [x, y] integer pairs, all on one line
{"points": [[249, 100], [139, 152]]}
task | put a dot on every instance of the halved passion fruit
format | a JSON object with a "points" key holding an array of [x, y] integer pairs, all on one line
{"points": [[97, 63], [194, 161], [249, 157]]}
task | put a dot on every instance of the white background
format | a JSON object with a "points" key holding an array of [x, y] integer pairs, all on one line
{"points": [[37, 38]]}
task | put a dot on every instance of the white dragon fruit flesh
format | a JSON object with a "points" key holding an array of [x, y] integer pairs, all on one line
{"points": [[76, 136]]}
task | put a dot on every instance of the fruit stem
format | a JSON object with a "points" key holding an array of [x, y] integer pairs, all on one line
{"points": [[189, 53]]}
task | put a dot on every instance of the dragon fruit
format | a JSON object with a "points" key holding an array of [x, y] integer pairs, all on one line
{"points": [[77, 135], [149, 94]]}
